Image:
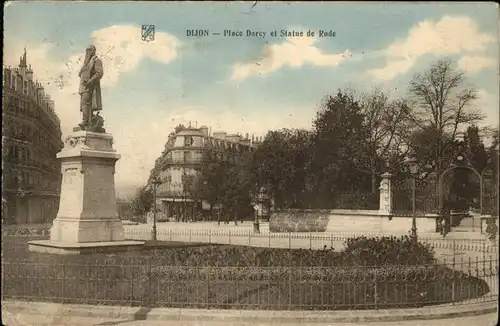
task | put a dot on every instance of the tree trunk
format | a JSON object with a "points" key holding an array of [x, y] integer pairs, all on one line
{"points": [[374, 182]]}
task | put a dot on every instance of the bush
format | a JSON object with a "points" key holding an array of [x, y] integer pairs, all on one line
{"points": [[238, 277], [25, 231], [387, 251], [491, 229]]}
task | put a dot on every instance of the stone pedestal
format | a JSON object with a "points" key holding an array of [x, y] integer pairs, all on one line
{"points": [[385, 201], [87, 209]]}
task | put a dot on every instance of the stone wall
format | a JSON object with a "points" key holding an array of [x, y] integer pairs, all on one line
{"points": [[346, 221], [299, 221]]}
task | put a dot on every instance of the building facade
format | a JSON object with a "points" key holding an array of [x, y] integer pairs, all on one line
{"points": [[184, 156], [31, 137]]}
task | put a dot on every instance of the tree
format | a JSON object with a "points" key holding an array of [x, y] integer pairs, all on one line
{"points": [[442, 105], [189, 190], [339, 144], [385, 121], [281, 165], [143, 201], [179, 128], [478, 157]]}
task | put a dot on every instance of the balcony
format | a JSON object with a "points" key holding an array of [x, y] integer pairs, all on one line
{"points": [[181, 161], [171, 193]]}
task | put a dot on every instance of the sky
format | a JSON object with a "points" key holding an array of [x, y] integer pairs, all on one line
{"points": [[246, 84]]}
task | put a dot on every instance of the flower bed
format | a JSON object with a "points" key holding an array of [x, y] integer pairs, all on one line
{"points": [[238, 277], [36, 230]]}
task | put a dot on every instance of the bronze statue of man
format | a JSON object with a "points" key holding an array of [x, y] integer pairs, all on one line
{"points": [[90, 87]]}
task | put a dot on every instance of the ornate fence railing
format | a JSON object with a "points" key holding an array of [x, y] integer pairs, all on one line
{"points": [[218, 279]]}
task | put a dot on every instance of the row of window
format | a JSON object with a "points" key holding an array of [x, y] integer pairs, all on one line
{"points": [[189, 141], [31, 179], [31, 109], [188, 157], [26, 156], [23, 130]]}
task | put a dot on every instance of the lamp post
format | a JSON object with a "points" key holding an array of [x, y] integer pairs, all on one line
{"points": [[256, 225], [156, 182], [412, 163]]}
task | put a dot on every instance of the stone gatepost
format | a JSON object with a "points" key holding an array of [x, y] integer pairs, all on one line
{"points": [[385, 208]]}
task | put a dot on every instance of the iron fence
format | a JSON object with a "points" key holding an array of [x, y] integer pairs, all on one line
{"points": [[153, 284], [297, 240]]}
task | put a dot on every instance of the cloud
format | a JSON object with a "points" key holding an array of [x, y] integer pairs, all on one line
{"points": [[475, 63], [294, 52], [449, 35], [488, 103]]}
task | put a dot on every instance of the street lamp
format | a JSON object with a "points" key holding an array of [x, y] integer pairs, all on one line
{"points": [[412, 163], [156, 182], [256, 226]]}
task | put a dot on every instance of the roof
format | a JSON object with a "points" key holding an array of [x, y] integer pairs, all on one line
{"points": [[190, 132]]}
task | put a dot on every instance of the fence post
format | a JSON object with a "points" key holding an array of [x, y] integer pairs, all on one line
{"points": [[453, 280], [310, 241], [289, 285], [289, 240], [190, 236], [149, 294], [453, 252], [269, 235], [63, 281], [208, 286], [229, 237]]}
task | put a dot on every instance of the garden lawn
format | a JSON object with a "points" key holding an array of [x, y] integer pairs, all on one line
{"points": [[170, 274]]}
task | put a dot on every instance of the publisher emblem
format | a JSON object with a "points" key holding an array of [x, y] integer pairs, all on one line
{"points": [[148, 33]]}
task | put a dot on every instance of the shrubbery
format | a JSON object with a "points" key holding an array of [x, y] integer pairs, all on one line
{"points": [[371, 273], [491, 229], [25, 231], [387, 251]]}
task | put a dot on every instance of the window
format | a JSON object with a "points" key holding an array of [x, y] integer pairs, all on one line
{"points": [[188, 141], [187, 157], [25, 88]]}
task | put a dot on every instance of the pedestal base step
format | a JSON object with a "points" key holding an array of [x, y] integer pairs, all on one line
{"points": [[68, 248]]}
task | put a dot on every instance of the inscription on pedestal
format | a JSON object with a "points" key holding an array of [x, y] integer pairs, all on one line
{"points": [[70, 175]]}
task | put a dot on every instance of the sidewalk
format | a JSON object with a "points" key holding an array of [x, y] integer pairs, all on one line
{"points": [[45, 320]]}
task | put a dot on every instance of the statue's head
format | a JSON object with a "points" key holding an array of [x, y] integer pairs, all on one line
{"points": [[90, 50]]}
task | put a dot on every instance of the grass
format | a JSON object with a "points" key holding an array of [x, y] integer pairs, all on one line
{"points": [[170, 274]]}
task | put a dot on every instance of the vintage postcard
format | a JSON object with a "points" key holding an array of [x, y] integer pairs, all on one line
{"points": [[249, 162]]}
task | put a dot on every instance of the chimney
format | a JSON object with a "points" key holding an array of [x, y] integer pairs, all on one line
{"points": [[235, 138], [29, 73], [204, 130], [220, 135]]}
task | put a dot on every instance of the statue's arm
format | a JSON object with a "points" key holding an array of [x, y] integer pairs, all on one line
{"points": [[98, 72]]}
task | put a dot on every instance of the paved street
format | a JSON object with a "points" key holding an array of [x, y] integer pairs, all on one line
{"points": [[40, 320]]}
